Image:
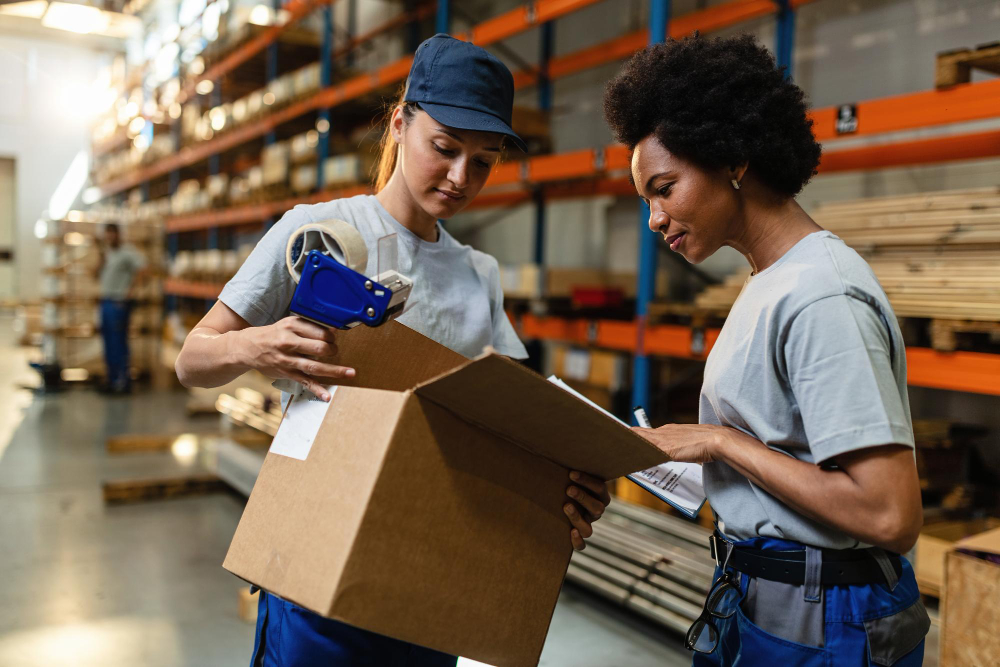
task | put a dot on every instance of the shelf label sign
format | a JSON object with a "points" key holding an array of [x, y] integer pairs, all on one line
{"points": [[847, 118]]}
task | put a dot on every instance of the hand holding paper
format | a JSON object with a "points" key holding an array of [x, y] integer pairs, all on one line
{"points": [[690, 443]]}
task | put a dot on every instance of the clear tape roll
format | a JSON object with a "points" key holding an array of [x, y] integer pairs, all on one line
{"points": [[335, 238]]}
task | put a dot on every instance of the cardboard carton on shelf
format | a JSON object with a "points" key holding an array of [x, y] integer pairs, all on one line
{"points": [[560, 282], [970, 606], [520, 281], [600, 369], [274, 163], [934, 543], [428, 504], [346, 169], [304, 178]]}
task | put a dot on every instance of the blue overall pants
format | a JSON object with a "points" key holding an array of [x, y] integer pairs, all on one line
{"points": [[860, 625], [290, 636], [114, 331]]}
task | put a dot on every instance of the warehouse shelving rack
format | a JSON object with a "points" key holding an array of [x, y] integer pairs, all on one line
{"points": [[601, 170]]}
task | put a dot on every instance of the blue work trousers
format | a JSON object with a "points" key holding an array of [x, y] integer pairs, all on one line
{"points": [[862, 625], [290, 636], [114, 331]]}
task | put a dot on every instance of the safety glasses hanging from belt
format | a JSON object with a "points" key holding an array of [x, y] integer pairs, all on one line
{"points": [[723, 596]]}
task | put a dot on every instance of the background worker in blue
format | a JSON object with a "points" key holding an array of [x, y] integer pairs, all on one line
{"points": [[443, 137], [805, 429], [121, 268]]}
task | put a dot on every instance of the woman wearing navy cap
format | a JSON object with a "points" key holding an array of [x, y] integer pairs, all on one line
{"points": [[443, 137]]}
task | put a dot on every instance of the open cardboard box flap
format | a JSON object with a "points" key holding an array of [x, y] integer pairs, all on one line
{"points": [[497, 394], [509, 400]]}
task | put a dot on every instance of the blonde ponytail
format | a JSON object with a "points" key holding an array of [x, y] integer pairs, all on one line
{"points": [[388, 149]]}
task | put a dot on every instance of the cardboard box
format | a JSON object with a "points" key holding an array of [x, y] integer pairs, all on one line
{"points": [[429, 505], [346, 169], [274, 163], [970, 608], [935, 541], [304, 178], [595, 368], [520, 281], [560, 282]]}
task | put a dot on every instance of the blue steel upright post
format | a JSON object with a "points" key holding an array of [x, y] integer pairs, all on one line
{"points": [[545, 104], [174, 179], [325, 78], [785, 36], [659, 15], [442, 21], [271, 68]]}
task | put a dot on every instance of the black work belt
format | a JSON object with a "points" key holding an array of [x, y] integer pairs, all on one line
{"points": [[844, 567]]}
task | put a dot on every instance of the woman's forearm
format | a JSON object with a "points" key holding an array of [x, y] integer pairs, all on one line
{"points": [[210, 358], [869, 509]]}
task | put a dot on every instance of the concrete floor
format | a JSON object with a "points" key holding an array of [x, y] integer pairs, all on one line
{"points": [[142, 585]]}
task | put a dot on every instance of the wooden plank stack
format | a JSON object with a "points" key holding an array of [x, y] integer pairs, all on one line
{"points": [[954, 67], [937, 254]]}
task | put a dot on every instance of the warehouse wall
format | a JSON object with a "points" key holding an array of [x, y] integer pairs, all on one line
{"points": [[43, 126]]}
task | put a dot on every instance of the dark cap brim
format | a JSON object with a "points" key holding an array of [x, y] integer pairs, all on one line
{"points": [[470, 119]]}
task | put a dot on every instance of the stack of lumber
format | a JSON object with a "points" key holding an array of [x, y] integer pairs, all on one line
{"points": [[937, 254], [654, 564]]}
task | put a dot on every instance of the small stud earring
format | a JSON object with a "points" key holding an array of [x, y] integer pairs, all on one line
{"points": [[736, 184]]}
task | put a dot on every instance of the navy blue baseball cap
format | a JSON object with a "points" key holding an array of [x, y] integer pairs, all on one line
{"points": [[462, 86]]}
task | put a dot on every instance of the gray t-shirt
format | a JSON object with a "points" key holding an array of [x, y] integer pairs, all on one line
{"points": [[456, 298], [811, 362], [118, 271]]}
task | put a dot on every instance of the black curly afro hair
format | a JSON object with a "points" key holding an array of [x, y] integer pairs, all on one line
{"points": [[719, 103]]}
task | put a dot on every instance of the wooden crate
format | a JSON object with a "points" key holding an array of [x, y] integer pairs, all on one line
{"points": [[935, 541], [970, 609]]}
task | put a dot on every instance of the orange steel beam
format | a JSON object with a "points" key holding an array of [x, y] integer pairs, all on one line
{"points": [[961, 103], [585, 167], [956, 371], [483, 34], [973, 372], [920, 151], [190, 288], [250, 213], [297, 10], [706, 20]]}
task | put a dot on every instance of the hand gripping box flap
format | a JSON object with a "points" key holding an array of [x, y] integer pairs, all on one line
{"points": [[501, 396]]}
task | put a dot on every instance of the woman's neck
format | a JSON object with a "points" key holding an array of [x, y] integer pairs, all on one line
{"points": [[769, 228], [395, 198]]}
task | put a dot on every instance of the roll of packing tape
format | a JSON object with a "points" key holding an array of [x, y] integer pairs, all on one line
{"points": [[335, 238]]}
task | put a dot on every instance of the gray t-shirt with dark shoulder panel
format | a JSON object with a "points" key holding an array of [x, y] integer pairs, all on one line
{"points": [[456, 299], [811, 362]]}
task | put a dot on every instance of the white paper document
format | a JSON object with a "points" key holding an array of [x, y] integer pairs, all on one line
{"points": [[300, 425], [678, 484]]}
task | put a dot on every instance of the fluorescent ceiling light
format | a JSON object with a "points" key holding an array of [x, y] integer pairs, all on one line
{"points": [[69, 187], [33, 9], [81, 19]]}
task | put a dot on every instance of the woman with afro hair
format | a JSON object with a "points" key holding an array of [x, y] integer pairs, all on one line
{"points": [[805, 431]]}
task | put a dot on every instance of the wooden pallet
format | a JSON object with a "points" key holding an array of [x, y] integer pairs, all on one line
{"points": [[944, 333], [135, 443], [954, 67], [143, 490]]}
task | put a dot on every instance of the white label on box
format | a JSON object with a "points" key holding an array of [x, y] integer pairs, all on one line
{"points": [[577, 365], [300, 425]]}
